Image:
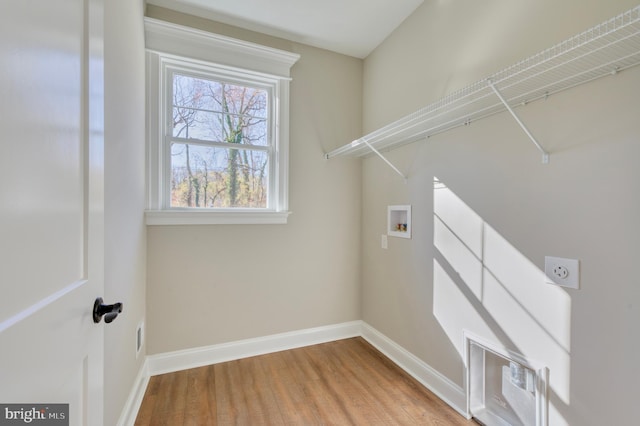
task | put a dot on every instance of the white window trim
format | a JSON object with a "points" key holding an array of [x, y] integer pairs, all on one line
{"points": [[166, 42]]}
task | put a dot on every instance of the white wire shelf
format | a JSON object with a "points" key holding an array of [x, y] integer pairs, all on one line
{"points": [[603, 50]]}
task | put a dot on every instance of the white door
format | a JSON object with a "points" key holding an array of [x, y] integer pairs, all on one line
{"points": [[51, 226]]}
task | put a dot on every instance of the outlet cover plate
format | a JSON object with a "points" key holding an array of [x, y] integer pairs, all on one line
{"points": [[562, 271]]}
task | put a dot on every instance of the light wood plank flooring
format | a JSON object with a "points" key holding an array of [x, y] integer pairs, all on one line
{"points": [[347, 382]]}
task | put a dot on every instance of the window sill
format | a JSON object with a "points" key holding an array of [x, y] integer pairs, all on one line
{"points": [[199, 217]]}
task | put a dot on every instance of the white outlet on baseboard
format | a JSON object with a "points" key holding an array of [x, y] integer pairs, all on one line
{"points": [[562, 271]]}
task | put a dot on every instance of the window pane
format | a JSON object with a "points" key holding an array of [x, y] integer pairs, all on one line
{"points": [[219, 112], [205, 125], [197, 124], [203, 176], [193, 92]]}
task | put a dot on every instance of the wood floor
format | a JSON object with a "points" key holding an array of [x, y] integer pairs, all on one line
{"points": [[347, 382]]}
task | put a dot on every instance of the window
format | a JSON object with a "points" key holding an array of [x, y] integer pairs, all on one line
{"points": [[220, 142], [218, 128]]}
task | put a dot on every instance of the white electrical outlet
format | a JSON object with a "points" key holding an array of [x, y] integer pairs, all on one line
{"points": [[384, 241], [563, 272]]}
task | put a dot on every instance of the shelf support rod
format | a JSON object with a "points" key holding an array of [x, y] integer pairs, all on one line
{"points": [[384, 159], [545, 154]]}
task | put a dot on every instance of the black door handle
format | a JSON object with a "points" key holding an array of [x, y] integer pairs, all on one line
{"points": [[110, 312]]}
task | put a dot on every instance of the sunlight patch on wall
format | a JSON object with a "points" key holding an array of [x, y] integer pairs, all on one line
{"points": [[466, 263], [546, 305], [484, 285], [449, 302]]}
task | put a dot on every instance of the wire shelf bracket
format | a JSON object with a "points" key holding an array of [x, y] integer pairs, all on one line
{"points": [[375, 151], [545, 154], [364, 141], [604, 50]]}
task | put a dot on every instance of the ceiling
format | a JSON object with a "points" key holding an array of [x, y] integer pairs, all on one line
{"points": [[351, 27]]}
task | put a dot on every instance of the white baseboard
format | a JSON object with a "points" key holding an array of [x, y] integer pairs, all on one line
{"points": [[169, 362], [132, 406], [444, 388], [198, 357]]}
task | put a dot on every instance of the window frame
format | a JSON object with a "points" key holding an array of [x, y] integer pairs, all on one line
{"points": [[170, 67], [211, 56]]}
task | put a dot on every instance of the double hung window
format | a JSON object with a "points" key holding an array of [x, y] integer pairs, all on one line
{"points": [[218, 129], [220, 142]]}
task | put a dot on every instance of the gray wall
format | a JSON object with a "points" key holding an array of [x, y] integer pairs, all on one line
{"points": [[476, 258], [125, 233], [213, 284]]}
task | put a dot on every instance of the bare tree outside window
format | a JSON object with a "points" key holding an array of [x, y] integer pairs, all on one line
{"points": [[220, 144]]}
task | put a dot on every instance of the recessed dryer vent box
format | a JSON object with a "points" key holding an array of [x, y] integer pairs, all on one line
{"points": [[399, 221], [504, 388]]}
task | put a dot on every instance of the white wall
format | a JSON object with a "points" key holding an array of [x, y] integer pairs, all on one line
{"points": [[214, 284], [125, 238], [480, 237]]}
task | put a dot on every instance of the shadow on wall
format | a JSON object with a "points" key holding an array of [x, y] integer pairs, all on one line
{"points": [[484, 285]]}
